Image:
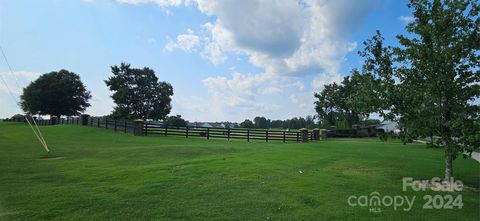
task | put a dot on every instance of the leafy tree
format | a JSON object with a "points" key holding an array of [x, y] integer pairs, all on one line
{"points": [[276, 124], [247, 124], [333, 106], [369, 122], [327, 104], [176, 121], [432, 79], [56, 94], [260, 122], [138, 93], [310, 122]]}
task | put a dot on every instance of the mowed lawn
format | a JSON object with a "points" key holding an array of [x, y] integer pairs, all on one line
{"points": [[104, 175]]}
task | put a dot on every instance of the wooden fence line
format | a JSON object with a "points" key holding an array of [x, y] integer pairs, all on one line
{"points": [[160, 129]]}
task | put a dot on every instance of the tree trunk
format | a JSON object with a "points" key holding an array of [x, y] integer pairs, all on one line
{"points": [[448, 164]]}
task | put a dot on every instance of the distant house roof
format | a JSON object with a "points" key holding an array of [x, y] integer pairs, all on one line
{"points": [[389, 126], [205, 124]]}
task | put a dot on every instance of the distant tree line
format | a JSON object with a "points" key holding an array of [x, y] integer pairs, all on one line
{"points": [[294, 123], [308, 122]]}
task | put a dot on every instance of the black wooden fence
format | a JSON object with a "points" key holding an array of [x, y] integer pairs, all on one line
{"points": [[158, 129], [161, 129]]}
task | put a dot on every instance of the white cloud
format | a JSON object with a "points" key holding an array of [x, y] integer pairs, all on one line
{"points": [[15, 81], [282, 37], [213, 52], [14, 84], [321, 80], [161, 3], [186, 42], [406, 19], [243, 96], [287, 39], [271, 91], [298, 85]]}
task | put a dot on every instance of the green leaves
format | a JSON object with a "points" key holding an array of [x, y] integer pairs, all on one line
{"points": [[56, 93], [430, 81], [138, 93]]}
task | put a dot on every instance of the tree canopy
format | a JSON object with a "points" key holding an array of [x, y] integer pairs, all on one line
{"points": [[431, 81], [176, 121], [333, 104], [56, 93], [138, 93], [247, 124]]}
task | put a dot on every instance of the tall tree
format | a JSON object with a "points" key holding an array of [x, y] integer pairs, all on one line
{"points": [[310, 121], [432, 80], [247, 124], [441, 60], [260, 122], [333, 105], [138, 93], [56, 93]]}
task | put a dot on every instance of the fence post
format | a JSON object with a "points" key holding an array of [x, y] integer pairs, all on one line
{"points": [[284, 136], [316, 134], [166, 129], [53, 120], [248, 135], [266, 135], [228, 134], [297, 136], [138, 127], [125, 126], [208, 133], [145, 129], [304, 134], [186, 132], [115, 125], [84, 119], [98, 122], [106, 123], [323, 134]]}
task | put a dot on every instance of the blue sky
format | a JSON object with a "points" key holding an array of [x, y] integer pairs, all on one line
{"points": [[227, 60]]}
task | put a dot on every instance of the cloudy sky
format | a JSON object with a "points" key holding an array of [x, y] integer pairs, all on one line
{"points": [[226, 59]]}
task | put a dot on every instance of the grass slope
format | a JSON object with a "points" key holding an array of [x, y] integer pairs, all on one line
{"points": [[112, 176]]}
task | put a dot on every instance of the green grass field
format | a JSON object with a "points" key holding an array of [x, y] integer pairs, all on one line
{"points": [[104, 175]]}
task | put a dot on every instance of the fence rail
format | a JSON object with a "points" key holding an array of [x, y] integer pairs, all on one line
{"points": [[160, 129], [225, 133]]}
